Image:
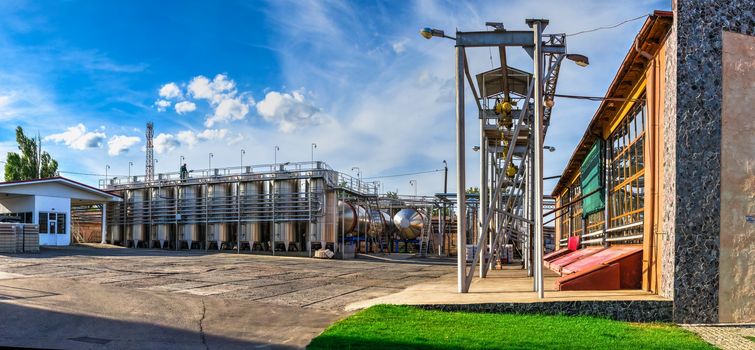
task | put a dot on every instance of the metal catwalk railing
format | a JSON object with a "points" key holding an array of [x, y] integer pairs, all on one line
{"points": [[278, 171]]}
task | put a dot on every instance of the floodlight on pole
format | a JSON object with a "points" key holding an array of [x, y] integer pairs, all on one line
{"points": [[429, 33], [549, 148], [580, 60]]}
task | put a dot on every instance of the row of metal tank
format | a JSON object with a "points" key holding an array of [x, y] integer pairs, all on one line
{"points": [[210, 214]]}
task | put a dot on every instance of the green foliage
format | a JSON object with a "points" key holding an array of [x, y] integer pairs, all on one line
{"points": [[473, 190], [24, 166], [390, 194], [403, 327]]}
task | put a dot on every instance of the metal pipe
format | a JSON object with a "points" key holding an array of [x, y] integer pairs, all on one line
{"points": [[483, 194], [461, 223], [537, 29]]}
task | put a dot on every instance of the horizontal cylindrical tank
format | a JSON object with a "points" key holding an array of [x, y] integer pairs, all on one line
{"points": [[410, 223], [377, 223]]}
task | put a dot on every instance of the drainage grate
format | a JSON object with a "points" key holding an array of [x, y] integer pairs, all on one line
{"points": [[91, 340]]}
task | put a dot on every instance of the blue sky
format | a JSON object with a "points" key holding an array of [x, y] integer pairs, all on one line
{"points": [[353, 77]]}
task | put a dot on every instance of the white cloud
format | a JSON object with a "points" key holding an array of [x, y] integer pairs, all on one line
{"points": [[214, 91], [228, 110], [288, 110], [165, 143], [120, 144], [162, 105], [170, 91], [189, 138], [77, 137], [399, 46], [185, 107]]}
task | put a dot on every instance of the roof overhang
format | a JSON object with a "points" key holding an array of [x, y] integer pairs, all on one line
{"points": [[650, 39], [58, 187]]}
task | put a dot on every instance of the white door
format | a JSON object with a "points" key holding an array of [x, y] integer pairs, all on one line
{"points": [[52, 228]]}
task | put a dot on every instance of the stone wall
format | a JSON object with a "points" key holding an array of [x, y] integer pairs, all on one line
{"points": [[698, 26]]}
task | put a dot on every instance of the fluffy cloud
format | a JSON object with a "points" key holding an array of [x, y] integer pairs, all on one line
{"points": [[288, 110], [185, 107], [228, 110], [165, 143], [190, 138], [214, 91], [162, 105], [119, 144], [170, 91], [77, 137]]}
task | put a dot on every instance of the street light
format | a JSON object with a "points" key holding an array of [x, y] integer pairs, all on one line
{"points": [[429, 33], [359, 172], [275, 160], [413, 183], [580, 60], [210, 163], [549, 148], [106, 168], [312, 153], [156, 165], [130, 164], [242, 159], [181, 161], [476, 148]]}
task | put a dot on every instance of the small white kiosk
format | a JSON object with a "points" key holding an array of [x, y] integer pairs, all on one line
{"points": [[47, 203]]}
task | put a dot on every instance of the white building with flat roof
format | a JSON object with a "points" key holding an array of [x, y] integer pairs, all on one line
{"points": [[47, 203]]}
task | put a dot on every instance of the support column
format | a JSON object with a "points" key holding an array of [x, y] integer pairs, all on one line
{"points": [[483, 193], [537, 27], [461, 198], [104, 223]]}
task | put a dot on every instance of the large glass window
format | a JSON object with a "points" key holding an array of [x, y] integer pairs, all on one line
{"points": [[627, 174], [42, 222]]}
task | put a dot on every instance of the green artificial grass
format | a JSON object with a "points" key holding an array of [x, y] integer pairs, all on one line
{"points": [[403, 327]]}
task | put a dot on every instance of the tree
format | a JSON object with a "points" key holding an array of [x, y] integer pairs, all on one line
{"points": [[390, 194], [473, 190], [26, 166]]}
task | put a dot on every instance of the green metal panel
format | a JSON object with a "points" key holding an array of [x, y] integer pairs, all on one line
{"points": [[591, 179]]}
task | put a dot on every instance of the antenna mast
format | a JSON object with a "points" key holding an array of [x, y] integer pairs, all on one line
{"points": [[150, 166]]}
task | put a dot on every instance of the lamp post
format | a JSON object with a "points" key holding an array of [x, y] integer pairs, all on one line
{"points": [[275, 158], [413, 183], [312, 153], [359, 176], [181, 160], [130, 164], [156, 165], [106, 178], [242, 159], [209, 161]]}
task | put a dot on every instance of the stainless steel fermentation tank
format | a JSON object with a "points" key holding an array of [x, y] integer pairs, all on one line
{"points": [[221, 207], [286, 208], [136, 214], [410, 223], [162, 203], [252, 204], [191, 212]]}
